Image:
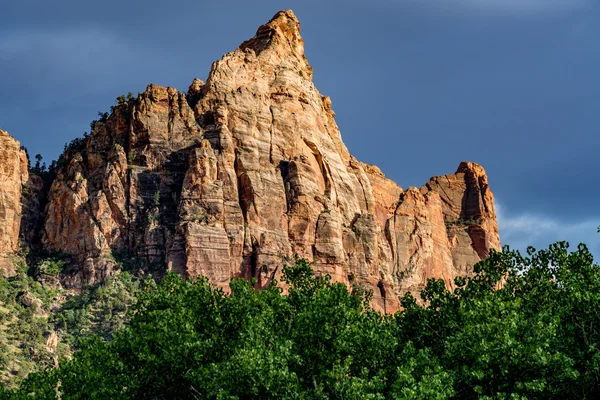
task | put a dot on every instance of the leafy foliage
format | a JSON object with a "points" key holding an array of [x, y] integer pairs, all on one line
{"points": [[24, 330], [525, 327], [40, 324], [97, 311], [462, 222], [52, 266], [520, 327], [187, 339]]}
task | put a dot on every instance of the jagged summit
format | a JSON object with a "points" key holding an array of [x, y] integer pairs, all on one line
{"points": [[247, 168], [282, 32]]}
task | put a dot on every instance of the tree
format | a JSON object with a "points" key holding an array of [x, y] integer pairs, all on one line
{"points": [[189, 340], [520, 327]]}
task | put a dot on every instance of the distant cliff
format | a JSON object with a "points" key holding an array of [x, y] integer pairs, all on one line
{"points": [[228, 178]]}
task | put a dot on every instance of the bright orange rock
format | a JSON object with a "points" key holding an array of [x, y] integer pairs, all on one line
{"points": [[13, 176]]}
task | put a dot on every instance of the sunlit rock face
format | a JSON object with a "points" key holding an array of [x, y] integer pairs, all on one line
{"points": [[13, 177], [247, 168]]}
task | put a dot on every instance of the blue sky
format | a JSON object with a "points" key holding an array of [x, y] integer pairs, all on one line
{"points": [[417, 85]]}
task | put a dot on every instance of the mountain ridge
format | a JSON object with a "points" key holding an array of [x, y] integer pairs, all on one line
{"points": [[239, 171]]}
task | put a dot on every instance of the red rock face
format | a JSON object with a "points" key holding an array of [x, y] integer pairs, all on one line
{"points": [[13, 176], [250, 167], [468, 209]]}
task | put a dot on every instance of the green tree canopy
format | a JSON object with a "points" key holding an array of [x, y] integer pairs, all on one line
{"points": [[520, 327]]}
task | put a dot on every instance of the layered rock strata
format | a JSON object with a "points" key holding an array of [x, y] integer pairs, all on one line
{"points": [[13, 177], [247, 168]]}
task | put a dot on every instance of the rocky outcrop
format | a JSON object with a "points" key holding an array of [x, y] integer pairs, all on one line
{"points": [[13, 176], [469, 214], [247, 168], [120, 188]]}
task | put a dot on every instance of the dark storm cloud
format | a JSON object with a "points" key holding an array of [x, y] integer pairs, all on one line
{"points": [[417, 86]]}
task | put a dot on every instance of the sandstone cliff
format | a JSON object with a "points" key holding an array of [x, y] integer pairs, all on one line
{"points": [[13, 176], [248, 167]]}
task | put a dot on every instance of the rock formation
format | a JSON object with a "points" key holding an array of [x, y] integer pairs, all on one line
{"points": [[13, 176], [246, 168]]}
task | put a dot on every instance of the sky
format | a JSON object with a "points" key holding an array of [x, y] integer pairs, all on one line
{"points": [[417, 86]]}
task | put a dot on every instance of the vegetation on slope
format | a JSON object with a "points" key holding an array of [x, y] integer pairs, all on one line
{"points": [[521, 327], [25, 337], [40, 322]]}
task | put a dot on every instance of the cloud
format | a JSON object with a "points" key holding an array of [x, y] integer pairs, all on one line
{"points": [[523, 229]]}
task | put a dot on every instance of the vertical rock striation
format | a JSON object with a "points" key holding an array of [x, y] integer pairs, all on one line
{"points": [[469, 214], [13, 176]]}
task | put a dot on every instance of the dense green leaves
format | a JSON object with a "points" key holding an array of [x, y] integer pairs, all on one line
{"points": [[521, 327], [98, 310], [525, 327]]}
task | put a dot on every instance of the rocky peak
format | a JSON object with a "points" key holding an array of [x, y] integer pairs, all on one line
{"points": [[248, 168], [281, 34], [195, 89]]}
